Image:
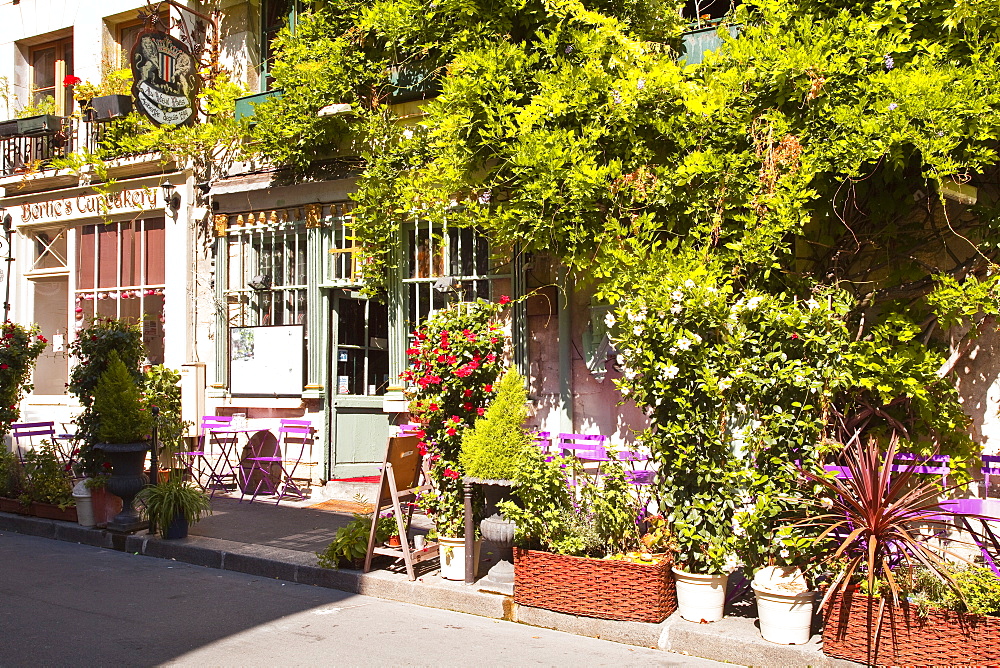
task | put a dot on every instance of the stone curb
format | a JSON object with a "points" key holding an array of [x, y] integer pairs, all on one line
{"points": [[734, 639]]}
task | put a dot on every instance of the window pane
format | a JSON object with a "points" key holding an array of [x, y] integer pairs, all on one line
{"points": [[107, 251], [85, 258], [155, 255], [351, 319], [43, 68]]}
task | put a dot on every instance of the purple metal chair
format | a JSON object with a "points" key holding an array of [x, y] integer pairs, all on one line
{"points": [[991, 467], [935, 464], [585, 447], [636, 476], [294, 436], [543, 441], [26, 433], [198, 462], [986, 511]]}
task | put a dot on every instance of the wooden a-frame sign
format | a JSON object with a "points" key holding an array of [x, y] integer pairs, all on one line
{"points": [[400, 483]]}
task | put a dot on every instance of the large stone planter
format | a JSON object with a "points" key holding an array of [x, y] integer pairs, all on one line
{"points": [[497, 531], [127, 479]]}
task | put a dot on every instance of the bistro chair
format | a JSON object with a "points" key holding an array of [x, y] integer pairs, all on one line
{"points": [[294, 436], [543, 441], [585, 447], [29, 435], [202, 464], [935, 465]]}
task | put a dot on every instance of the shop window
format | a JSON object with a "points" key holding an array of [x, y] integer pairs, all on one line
{"points": [[443, 266], [120, 274], [362, 359], [51, 302], [50, 64], [267, 276]]}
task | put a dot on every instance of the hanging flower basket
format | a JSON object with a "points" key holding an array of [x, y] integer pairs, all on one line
{"points": [[942, 637], [600, 588]]}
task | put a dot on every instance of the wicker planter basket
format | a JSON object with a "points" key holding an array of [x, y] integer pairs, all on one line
{"points": [[943, 637], [594, 587]]}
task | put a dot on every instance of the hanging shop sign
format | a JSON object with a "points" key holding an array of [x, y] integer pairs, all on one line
{"points": [[88, 205], [165, 80]]}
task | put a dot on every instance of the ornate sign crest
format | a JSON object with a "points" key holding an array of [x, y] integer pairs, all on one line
{"points": [[165, 79]]}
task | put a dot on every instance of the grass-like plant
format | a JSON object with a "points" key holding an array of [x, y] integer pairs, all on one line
{"points": [[174, 498]]}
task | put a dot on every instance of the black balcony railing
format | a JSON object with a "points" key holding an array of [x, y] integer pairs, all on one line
{"points": [[28, 145]]}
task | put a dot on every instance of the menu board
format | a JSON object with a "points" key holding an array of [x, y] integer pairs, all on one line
{"points": [[266, 361]]}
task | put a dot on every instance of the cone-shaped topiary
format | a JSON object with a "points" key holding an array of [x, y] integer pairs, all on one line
{"points": [[121, 414], [494, 448]]}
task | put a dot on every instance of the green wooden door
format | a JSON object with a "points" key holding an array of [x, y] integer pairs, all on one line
{"points": [[359, 375]]}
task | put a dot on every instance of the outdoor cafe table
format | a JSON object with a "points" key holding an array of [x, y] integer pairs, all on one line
{"points": [[256, 441]]}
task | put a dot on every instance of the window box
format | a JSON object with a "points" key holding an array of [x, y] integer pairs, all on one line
{"points": [[46, 124], [108, 107], [696, 43], [245, 105], [8, 128], [414, 81]]}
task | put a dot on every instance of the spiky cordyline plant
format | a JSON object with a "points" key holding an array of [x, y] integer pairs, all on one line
{"points": [[879, 519]]}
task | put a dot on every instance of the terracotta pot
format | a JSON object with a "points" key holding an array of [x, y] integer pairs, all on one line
{"points": [[105, 504]]}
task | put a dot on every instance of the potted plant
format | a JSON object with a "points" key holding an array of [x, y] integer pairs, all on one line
{"points": [[161, 388], [784, 605], [21, 348], [455, 361], [173, 505], [351, 540], [588, 549], [48, 487], [110, 99], [11, 482], [492, 453], [123, 429], [874, 523]]}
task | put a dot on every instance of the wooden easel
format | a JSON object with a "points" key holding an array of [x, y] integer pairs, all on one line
{"points": [[400, 482]]}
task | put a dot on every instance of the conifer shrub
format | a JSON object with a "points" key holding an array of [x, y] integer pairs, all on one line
{"points": [[494, 448], [121, 413]]}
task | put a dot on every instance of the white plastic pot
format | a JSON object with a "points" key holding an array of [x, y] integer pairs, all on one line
{"points": [[700, 598], [785, 619], [452, 556], [84, 505]]}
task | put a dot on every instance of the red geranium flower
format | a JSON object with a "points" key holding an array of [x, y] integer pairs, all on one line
{"points": [[794, 335], [466, 393], [467, 406], [432, 407], [71, 80], [488, 387], [4, 366], [481, 411], [451, 431], [504, 299], [449, 473]]}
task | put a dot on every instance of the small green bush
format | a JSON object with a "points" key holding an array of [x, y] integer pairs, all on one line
{"points": [[979, 587], [351, 541], [46, 479], [495, 446], [11, 475], [121, 414]]}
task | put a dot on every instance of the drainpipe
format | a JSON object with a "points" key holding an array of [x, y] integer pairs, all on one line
{"points": [[565, 353]]}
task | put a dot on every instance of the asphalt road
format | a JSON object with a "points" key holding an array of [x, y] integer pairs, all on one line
{"points": [[63, 604]]}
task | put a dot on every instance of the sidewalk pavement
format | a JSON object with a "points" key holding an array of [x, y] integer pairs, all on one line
{"points": [[280, 542]]}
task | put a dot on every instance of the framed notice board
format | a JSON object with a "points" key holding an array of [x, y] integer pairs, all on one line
{"points": [[266, 361]]}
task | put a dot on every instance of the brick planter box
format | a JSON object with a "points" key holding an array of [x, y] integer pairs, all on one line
{"points": [[594, 587], [51, 511], [942, 637]]}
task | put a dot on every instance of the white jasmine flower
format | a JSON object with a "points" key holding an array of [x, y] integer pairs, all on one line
{"points": [[725, 383], [620, 360], [625, 391], [631, 373], [711, 289], [684, 343], [754, 302], [670, 372], [741, 408], [812, 304], [732, 563], [609, 319], [676, 308], [784, 554], [637, 330], [677, 295], [689, 283], [696, 337], [826, 502], [638, 315]]}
